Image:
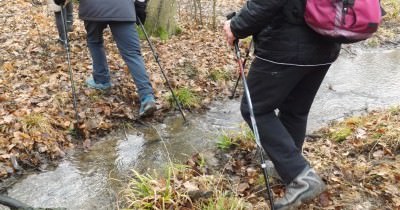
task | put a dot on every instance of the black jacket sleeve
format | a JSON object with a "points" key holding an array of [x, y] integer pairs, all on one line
{"points": [[254, 16]]}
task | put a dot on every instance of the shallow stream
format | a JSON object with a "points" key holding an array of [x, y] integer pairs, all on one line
{"points": [[355, 84]]}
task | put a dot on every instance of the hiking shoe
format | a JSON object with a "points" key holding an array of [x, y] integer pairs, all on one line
{"points": [[92, 84], [147, 106], [305, 187], [271, 170]]}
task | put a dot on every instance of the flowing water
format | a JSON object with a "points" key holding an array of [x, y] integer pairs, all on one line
{"points": [[87, 180]]}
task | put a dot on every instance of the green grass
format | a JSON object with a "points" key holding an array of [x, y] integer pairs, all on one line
{"points": [[95, 95], [218, 75], [245, 138], [148, 192], [225, 141], [246, 133], [223, 201], [394, 110], [341, 134], [186, 97], [35, 122], [141, 34], [162, 33], [392, 7]]}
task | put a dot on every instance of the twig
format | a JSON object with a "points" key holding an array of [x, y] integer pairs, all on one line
{"points": [[5, 16]]}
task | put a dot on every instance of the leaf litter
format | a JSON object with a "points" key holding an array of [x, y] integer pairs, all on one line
{"points": [[37, 116]]}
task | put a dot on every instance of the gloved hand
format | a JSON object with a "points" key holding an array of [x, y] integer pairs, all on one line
{"points": [[140, 7], [59, 2]]}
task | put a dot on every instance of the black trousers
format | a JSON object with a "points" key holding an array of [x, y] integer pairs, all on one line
{"points": [[290, 90]]}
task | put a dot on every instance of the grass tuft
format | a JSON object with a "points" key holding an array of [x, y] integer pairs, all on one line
{"points": [[218, 75], [147, 192], [225, 141], [35, 122], [222, 201], [186, 97]]}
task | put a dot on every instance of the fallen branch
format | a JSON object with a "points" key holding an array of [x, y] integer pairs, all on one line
{"points": [[5, 16]]}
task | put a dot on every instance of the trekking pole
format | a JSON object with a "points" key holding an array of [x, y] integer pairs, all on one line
{"points": [[12, 203], [244, 65], [162, 70], [260, 149], [71, 76], [254, 124]]}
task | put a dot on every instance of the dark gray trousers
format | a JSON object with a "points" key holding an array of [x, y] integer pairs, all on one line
{"points": [[291, 91]]}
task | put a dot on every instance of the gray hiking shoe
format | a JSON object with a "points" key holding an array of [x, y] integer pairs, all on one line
{"points": [[305, 187], [271, 170], [147, 106]]}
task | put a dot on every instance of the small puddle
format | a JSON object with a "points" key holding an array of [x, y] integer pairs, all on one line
{"points": [[85, 180]]}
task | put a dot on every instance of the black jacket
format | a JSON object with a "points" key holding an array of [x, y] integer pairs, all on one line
{"points": [[280, 39], [107, 10]]}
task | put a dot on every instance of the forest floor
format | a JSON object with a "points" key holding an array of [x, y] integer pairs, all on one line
{"points": [[358, 158], [36, 107]]}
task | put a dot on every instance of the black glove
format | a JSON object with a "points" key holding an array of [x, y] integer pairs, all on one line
{"points": [[59, 2], [230, 15], [140, 8]]}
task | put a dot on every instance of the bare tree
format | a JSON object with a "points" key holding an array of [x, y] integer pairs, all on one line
{"points": [[161, 17], [214, 15]]}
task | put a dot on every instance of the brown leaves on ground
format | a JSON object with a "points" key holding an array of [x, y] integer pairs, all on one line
{"points": [[361, 172], [37, 118]]}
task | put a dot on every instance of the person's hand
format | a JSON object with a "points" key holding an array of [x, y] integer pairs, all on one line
{"points": [[140, 7], [229, 37], [59, 2]]}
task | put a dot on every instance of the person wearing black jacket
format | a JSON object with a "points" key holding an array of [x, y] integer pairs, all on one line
{"points": [[120, 16], [291, 62]]}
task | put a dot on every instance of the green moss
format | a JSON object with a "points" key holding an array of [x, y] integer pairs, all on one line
{"points": [[341, 134]]}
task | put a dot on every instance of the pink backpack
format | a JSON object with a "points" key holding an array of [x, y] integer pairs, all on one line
{"points": [[345, 21]]}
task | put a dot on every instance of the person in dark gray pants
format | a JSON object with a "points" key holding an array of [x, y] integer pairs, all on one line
{"points": [[120, 16]]}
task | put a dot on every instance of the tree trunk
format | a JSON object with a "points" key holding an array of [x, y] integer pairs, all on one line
{"points": [[161, 18], [214, 17]]}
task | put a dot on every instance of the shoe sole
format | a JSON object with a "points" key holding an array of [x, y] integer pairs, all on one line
{"points": [[148, 112], [303, 199], [97, 88]]}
